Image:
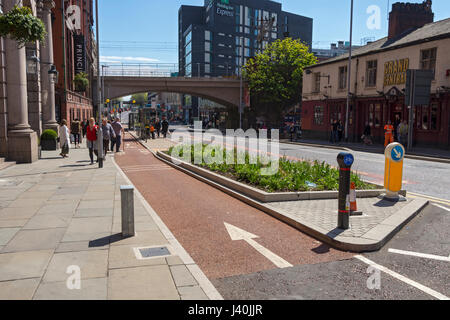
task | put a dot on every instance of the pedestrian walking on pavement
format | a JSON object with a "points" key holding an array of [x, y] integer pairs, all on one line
{"points": [[91, 137], [75, 130], [165, 127], [340, 129], [158, 127], [388, 133], [367, 134], [118, 130], [108, 135], [334, 132], [64, 139], [84, 126]]}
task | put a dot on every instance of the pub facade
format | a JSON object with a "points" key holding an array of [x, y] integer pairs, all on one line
{"points": [[377, 86]]}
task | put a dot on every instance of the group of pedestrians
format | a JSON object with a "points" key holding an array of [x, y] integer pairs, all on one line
{"points": [[156, 128], [112, 136], [390, 134], [337, 130]]}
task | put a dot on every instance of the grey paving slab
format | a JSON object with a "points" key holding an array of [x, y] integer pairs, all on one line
{"points": [[47, 221], [12, 223], [70, 196], [96, 204], [124, 257], [4, 203], [28, 240], [182, 276], [174, 260], [18, 289], [98, 196], [142, 283], [44, 187], [21, 265], [7, 234], [100, 212], [71, 190], [58, 209], [30, 203], [92, 264], [42, 195], [18, 213], [81, 229], [82, 246], [192, 293], [90, 289], [144, 238]]}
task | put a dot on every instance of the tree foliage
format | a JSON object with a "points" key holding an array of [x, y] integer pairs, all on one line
{"points": [[141, 98], [275, 76]]}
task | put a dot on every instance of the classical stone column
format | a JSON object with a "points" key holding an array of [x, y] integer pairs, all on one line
{"points": [[47, 84], [22, 140]]}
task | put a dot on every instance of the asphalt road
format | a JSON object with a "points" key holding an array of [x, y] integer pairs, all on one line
{"points": [[196, 214], [428, 233]]}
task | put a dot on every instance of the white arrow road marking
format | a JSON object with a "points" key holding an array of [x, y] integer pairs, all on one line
{"points": [[417, 285], [239, 234], [421, 255]]}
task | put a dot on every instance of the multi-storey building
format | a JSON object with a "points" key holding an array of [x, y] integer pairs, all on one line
{"points": [[74, 52], [218, 38]]}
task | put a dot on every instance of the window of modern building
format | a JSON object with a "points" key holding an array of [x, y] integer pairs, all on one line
{"points": [[188, 70], [371, 73], [428, 59], [189, 58], [208, 36], [247, 30], [247, 42], [207, 57], [247, 16], [342, 77], [188, 48], [286, 21], [188, 38], [208, 46], [247, 52], [207, 68], [318, 115]]}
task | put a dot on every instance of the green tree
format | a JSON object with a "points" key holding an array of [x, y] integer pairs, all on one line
{"points": [[275, 77], [141, 98]]}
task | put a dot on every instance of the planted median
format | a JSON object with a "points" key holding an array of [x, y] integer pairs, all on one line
{"points": [[245, 167]]}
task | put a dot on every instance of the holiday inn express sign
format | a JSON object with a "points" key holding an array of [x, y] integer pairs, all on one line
{"points": [[223, 8], [395, 72]]}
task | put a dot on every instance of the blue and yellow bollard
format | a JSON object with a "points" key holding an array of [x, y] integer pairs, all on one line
{"points": [[393, 170]]}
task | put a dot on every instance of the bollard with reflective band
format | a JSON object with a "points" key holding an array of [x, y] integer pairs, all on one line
{"points": [[393, 170], [345, 161]]}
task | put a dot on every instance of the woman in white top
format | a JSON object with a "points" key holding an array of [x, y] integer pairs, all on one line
{"points": [[64, 139]]}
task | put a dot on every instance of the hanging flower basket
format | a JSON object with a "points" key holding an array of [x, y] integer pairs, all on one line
{"points": [[20, 25], [81, 82]]}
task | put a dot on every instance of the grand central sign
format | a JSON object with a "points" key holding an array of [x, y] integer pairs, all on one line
{"points": [[395, 72]]}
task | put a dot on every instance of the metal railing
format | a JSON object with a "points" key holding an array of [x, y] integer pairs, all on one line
{"points": [[141, 70]]}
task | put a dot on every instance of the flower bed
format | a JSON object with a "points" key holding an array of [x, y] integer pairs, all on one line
{"points": [[291, 176]]}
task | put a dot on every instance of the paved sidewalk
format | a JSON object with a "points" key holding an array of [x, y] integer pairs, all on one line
{"points": [[60, 214]]}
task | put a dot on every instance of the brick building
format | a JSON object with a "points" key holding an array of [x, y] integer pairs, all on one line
{"points": [[378, 81], [74, 52]]}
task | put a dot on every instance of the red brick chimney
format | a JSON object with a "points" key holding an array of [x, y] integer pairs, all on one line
{"points": [[405, 16]]}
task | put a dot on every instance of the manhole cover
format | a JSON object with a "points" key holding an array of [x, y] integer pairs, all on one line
{"points": [[152, 252]]}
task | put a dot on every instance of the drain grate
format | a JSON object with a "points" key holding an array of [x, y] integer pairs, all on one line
{"points": [[154, 252]]}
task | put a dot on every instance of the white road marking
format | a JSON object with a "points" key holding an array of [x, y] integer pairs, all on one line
{"points": [[412, 283], [442, 207], [420, 255], [239, 234]]}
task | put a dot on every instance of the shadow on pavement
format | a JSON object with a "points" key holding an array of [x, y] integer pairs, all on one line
{"points": [[101, 242]]}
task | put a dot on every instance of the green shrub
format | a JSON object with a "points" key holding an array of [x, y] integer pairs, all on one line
{"points": [[291, 176], [81, 82], [49, 134], [20, 25]]}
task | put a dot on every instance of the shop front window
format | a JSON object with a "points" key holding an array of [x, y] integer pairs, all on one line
{"points": [[425, 119], [377, 115], [371, 115], [318, 115]]}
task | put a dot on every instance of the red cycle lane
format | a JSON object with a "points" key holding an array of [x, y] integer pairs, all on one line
{"points": [[195, 213]]}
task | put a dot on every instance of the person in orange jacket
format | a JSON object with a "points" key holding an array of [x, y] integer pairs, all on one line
{"points": [[388, 133]]}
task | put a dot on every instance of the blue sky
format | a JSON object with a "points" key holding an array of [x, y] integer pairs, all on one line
{"points": [[145, 31]]}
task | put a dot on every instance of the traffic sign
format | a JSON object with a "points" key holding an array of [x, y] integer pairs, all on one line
{"points": [[397, 153], [418, 87], [349, 159]]}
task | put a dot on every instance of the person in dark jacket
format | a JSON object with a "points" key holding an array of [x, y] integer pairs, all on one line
{"points": [[158, 127], [165, 127], [108, 135]]}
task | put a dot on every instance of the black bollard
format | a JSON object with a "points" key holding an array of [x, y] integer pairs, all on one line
{"points": [[345, 161]]}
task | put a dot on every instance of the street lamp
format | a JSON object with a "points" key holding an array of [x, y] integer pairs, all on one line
{"points": [[349, 73]]}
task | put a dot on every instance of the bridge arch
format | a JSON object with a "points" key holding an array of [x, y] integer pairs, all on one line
{"points": [[220, 90]]}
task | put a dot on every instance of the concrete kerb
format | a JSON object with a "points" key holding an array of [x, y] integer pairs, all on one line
{"points": [[210, 291], [369, 242]]}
